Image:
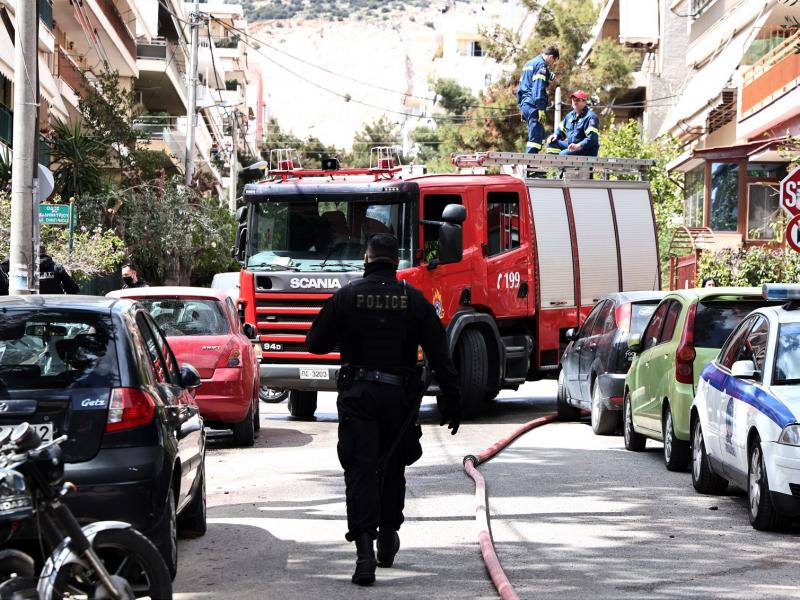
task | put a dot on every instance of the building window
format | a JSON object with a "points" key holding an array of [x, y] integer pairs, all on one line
{"points": [[763, 207], [694, 197], [487, 80], [502, 221], [696, 7], [475, 49], [724, 214], [776, 171]]}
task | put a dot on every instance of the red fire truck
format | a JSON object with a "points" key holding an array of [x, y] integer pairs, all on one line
{"points": [[509, 262]]}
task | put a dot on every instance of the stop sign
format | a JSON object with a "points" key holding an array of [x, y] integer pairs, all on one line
{"points": [[790, 192]]}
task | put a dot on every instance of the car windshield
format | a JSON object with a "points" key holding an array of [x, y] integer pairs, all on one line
{"points": [[787, 355], [63, 349], [640, 315], [715, 320], [187, 316], [322, 236]]}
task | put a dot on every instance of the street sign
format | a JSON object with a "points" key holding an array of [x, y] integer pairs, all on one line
{"points": [[54, 214], [46, 183], [790, 192], [793, 233]]}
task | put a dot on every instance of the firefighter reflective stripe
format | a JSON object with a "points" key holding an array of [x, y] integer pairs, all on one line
{"points": [[540, 76], [553, 150], [527, 68], [592, 130], [533, 145], [542, 115]]}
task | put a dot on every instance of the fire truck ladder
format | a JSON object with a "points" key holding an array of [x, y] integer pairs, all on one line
{"points": [[568, 167]]}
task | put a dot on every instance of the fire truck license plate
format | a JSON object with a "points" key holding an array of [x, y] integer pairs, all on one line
{"points": [[314, 374]]}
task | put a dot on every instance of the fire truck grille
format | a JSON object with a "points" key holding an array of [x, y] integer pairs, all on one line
{"points": [[295, 303]]}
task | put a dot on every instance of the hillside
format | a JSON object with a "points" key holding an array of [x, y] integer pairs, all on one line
{"points": [[261, 10]]}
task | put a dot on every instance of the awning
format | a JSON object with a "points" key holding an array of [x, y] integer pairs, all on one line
{"points": [[594, 36], [6, 53], [704, 86], [638, 22], [49, 91]]}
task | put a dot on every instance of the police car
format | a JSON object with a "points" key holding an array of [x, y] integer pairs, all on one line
{"points": [[745, 418]]}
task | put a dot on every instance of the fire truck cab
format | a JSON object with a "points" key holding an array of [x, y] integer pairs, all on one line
{"points": [[510, 263]]}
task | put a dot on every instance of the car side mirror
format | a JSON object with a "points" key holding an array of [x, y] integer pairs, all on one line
{"points": [[571, 334], [635, 343], [250, 331], [190, 378], [745, 369]]}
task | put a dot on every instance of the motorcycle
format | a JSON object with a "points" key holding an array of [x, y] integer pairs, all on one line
{"points": [[102, 560]]}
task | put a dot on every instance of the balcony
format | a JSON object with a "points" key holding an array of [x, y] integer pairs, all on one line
{"points": [[6, 125], [774, 75], [69, 72], [159, 61], [112, 14], [46, 13]]}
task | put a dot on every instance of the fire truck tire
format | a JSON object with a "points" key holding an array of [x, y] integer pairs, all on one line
{"points": [[473, 362], [302, 405]]}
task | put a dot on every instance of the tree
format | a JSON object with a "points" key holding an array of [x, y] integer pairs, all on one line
{"points": [[381, 132], [454, 98], [78, 156]]}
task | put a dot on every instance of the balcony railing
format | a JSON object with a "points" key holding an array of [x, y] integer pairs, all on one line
{"points": [[227, 42], [69, 72], [46, 13], [773, 75], [168, 51], [6, 125], [112, 14]]}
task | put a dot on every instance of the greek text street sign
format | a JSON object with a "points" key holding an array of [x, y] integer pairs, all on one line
{"points": [[790, 192], [54, 214], [793, 233]]}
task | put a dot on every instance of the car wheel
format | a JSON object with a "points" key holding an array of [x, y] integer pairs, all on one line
{"points": [[257, 417], [169, 547], [192, 521], [676, 452], [704, 479], [604, 421], [302, 405], [763, 515], [272, 395], [633, 441], [244, 431], [564, 411], [472, 363]]}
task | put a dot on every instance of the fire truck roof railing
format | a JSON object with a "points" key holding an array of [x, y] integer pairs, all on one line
{"points": [[546, 162]]}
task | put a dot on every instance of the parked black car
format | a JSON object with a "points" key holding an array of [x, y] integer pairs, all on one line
{"points": [[594, 364], [100, 371]]}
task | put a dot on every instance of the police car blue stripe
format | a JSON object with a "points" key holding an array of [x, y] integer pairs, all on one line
{"points": [[748, 393]]}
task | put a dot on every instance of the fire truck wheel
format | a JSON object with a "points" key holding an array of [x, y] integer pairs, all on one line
{"points": [[473, 361], [302, 405]]}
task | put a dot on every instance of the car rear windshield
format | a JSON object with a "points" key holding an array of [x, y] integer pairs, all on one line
{"points": [[640, 315], [56, 349], [787, 355], [715, 320], [182, 316]]}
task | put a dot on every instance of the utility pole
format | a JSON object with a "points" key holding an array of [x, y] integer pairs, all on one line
{"points": [[557, 115], [234, 161], [191, 114], [24, 267]]}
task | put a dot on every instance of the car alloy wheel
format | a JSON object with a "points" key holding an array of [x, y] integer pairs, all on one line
{"points": [[668, 437], [754, 483], [697, 451]]}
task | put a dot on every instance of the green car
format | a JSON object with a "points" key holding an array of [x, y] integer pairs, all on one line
{"points": [[684, 333]]}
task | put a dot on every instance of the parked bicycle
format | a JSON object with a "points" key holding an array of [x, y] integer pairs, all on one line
{"points": [[102, 560]]}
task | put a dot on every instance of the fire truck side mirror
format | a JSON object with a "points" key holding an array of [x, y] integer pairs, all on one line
{"points": [[454, 213], [241, 243], [450, 244], [241, 214]]}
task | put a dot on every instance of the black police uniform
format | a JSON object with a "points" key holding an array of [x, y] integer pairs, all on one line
{"points": [[379, 323], [53, 278]]}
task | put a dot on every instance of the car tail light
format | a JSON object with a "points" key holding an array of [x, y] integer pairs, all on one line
{"points": [[685, 354], [623, 317], [128, 408], [230, 357]]}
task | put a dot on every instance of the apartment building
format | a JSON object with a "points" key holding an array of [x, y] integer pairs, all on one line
{"points": [[658, 37], [739, 104]]}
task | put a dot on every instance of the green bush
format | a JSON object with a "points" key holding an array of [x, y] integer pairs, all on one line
{"points": [[750, 267]]}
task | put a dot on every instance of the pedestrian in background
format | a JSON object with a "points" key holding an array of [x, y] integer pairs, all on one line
{"points": [[130, 277], [709, 282], [379, 323], [53, 277], [579, 132], [532, 95]]}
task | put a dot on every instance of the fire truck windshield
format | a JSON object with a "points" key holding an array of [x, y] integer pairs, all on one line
{"points": [[322, 236]]}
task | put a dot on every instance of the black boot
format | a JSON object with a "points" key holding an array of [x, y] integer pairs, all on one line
{"points": [[365, 560], [388, 545]]}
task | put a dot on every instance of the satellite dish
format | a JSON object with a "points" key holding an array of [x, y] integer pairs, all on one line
{"points": [[46, 183]]}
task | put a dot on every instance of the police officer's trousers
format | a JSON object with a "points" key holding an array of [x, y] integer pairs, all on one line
{"points": [[370, 417], [533, 117]]}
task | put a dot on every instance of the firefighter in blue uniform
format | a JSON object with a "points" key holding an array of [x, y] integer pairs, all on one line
{"points": [[532, 95], [578, 133]]}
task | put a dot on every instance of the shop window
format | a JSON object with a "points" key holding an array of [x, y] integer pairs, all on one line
{"points": [[763, 208], [502, 221], [694, 197], [724, 214]]}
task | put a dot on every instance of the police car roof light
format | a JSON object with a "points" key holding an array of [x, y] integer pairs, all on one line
{"points": [[781, 291]]}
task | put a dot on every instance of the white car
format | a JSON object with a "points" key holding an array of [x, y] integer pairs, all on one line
{"points": [[745, 418]]}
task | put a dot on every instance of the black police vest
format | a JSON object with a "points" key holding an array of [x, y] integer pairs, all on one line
{"points": [[381, 331], [49, 279]]}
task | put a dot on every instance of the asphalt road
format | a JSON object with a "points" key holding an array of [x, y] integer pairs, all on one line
{"points": [[573, 516]]}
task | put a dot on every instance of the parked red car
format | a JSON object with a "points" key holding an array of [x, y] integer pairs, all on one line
{"points": [[202, 328]]}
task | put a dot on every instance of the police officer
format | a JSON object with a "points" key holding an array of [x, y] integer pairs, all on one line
{"points": [[4, 278], [578, 133], [53, 277], [379, 323], [532, 95]]}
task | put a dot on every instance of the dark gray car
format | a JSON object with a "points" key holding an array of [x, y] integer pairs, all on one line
{"points": [[594, 364]]}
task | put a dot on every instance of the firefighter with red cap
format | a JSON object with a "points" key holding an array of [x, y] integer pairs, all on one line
{"points": [[578, 134]]}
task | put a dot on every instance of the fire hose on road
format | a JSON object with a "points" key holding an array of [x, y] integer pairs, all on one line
{"points": [[471, 462]]}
